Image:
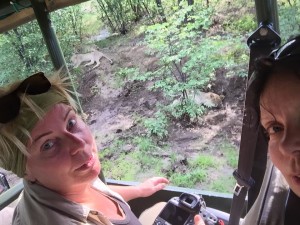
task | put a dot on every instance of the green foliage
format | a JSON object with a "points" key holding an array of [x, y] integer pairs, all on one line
{"points": [[231, 154], [177, 44], [125, 165], [189, 178], [25, 50], [122, 168], [120, 14], [144, 144], [148, 162], [91, 23], [186, 110], [25, 47], [189, 59], [204, 162], [157, 126], [289, 18], [128, 73], [245, 24], [116, 163], [223, 184]]}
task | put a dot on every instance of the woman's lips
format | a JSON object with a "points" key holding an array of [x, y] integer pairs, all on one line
{"points": [[87, 165]]}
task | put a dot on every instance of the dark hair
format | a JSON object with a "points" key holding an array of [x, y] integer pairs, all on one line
{"points": [[268, 66], [264, 69], [284, 59]]}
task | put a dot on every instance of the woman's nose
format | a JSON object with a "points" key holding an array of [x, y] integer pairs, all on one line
{"points": [[75, 142]]}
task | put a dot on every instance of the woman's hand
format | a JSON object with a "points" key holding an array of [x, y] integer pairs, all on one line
{"points": [[198, 220], [152, 185], [145, 189]]}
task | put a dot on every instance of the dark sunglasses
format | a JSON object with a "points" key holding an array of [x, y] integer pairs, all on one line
{"points": [[11, 103], [291, 48]]}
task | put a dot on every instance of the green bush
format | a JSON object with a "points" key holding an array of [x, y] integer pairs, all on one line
{"points": [[157, 126]]}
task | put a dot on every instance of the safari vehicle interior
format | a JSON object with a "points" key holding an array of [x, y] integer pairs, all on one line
{"points": [[252, 156]]}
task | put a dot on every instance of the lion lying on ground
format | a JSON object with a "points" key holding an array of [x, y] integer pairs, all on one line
{"points": [[92, 57]]}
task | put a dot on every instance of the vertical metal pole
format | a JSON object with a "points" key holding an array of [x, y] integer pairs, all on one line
{"points": [[43, 18], [267, 13]]}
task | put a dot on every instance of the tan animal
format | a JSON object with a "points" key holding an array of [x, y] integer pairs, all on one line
{"points": [[209, 99], [90, 57]]}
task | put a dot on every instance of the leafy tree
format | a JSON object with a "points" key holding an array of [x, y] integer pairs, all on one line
{"points": [[161, 11], [68, 23], [121, 14], [25, 48], [289, 18], [115, 13], [177, 44], [188, 57]]}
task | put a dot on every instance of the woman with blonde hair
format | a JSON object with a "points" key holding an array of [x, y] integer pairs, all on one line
{"points": [[45, 141]]}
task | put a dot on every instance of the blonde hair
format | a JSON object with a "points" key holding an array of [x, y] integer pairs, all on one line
{"points": [[15, 134]]}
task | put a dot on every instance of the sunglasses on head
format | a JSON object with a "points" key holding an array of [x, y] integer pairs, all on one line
{"points": [[291, 48], [11, 103]]}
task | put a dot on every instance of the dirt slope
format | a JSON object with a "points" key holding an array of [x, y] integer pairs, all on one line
{"points": [[111, 108]]}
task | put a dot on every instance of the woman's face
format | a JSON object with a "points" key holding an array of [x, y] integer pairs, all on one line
{"points": [[63, 154], [280, 116]]}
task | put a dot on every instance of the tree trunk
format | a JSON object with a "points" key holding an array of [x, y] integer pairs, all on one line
{"points": [[103, 8], [20, 48], [161, 11], [191, 2]]}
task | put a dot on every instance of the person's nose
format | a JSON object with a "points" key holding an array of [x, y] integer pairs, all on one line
{"points": [[75, 142], [290, 143]]}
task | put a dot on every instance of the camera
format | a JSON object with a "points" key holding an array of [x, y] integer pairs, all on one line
{"points": [[181, 211]]}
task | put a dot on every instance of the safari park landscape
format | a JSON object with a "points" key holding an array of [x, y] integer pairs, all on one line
{"points": [[168, 99]]}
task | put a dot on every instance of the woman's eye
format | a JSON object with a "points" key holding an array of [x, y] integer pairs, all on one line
{"points": [[274, 129], [71, 124], [47, 145]]}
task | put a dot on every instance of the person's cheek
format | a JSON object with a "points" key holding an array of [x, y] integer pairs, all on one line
{"points": [[273, 153]]}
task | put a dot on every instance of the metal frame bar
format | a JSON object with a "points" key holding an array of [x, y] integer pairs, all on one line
{"points": [[43, 18], [262, 41], [10, 195]]}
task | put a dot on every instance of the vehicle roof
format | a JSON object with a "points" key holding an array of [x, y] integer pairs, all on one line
{"points": [[14, 13]]}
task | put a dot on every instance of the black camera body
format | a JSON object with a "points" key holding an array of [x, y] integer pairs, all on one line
{"points": [[181, 211]]}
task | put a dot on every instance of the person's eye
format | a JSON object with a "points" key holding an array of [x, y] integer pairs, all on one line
{"points": [[71, 124], [274, 129], [48, 145]]}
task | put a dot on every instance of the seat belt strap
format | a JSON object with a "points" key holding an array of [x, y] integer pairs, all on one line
{"points": [[259, 46]]}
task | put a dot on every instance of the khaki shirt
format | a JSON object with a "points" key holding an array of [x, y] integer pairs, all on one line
{"points": [[41, 206]]}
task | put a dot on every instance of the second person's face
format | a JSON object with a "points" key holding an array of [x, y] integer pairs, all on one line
{"points": [[63, 154], [280, 116]]}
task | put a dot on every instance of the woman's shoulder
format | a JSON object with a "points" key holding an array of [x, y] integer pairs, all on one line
{"points": [[39, 205]]}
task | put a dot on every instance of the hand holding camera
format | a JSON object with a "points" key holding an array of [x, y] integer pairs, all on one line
{"points": [[182, 210]]}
